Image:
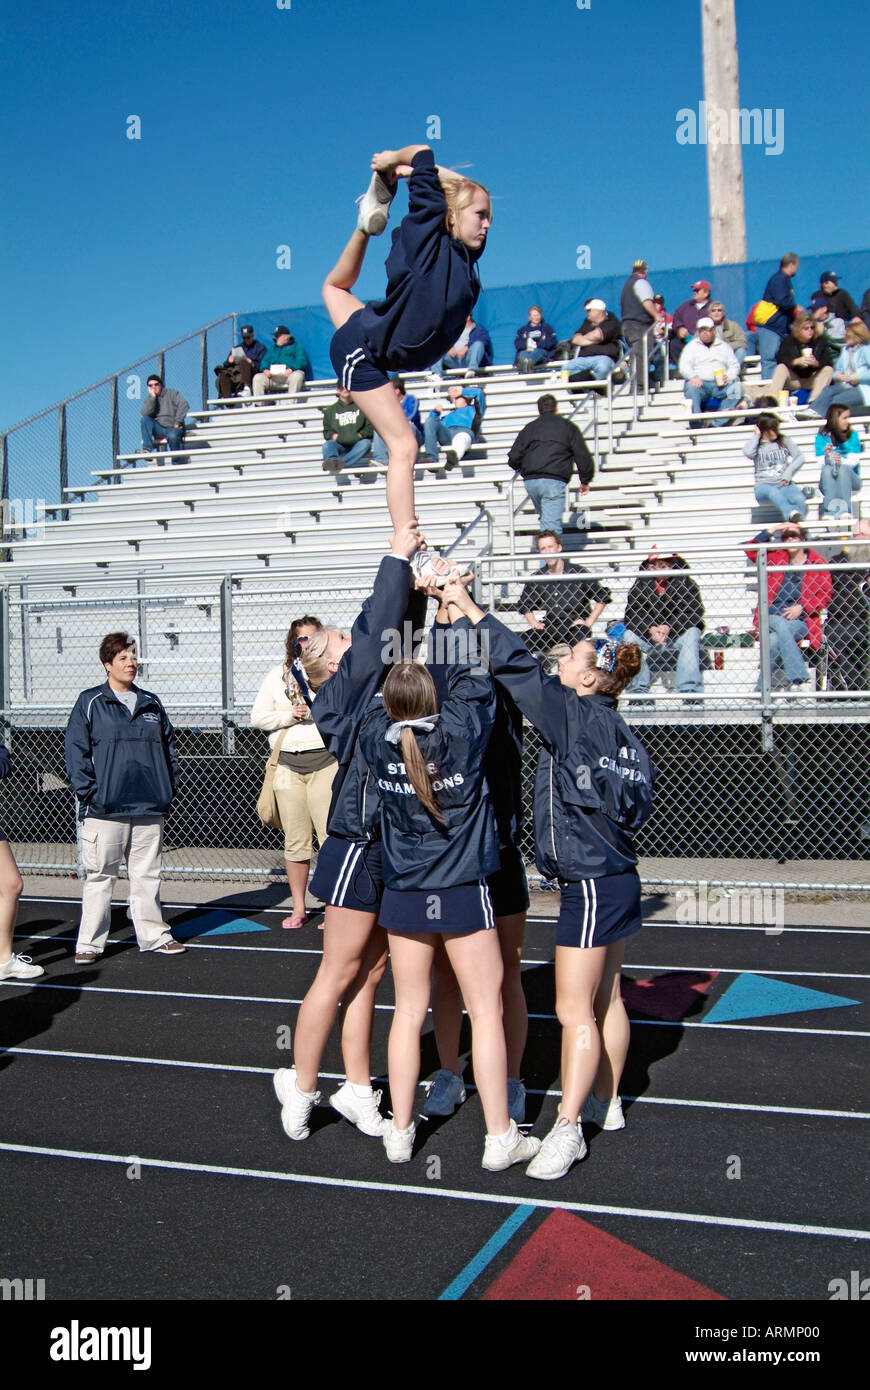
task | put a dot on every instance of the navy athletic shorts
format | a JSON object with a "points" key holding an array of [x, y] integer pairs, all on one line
{"points": [[460, 911], [598, 911], [348, 874], [351, 360], [507, 886]]}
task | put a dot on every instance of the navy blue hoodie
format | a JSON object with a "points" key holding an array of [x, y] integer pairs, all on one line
{"points": [[594, 783], [119, 764], [342, 701], [432, 281], [419, 851]]}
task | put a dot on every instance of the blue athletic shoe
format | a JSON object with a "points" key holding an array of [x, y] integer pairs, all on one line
{"points": [[516, 1100], [445, 1093]]}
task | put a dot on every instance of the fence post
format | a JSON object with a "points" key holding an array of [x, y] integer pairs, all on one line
{"points": [[227, 684], [5, 653], [62, 455], [142, 619], [26, 689], [764, 652], [161, 366], [116, 428], [203, 362]]}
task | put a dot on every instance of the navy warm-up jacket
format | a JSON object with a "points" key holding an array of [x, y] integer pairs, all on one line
{"points": [[594, 783], [392, 612], [120, 764], [419, 851]]}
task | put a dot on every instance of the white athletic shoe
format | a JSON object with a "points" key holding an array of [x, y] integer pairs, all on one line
{"points": [[427, 566], [399, 1142], [501, 1151], [374, 206], [296, 1105], [605, 1114], [20, 968], [562, 1147], [362, 1111]]}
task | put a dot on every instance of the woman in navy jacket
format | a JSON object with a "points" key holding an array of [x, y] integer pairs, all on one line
{"points": [[432, 286], [592, 793], [347, 671], [440, 842]]}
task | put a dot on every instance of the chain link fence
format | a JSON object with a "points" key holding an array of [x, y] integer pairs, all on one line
{"points": [[758, 781]]}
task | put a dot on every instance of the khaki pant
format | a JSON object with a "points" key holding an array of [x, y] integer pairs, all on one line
{"points": [[784, 381], [303, 803], [290, 381], [105, 844]]}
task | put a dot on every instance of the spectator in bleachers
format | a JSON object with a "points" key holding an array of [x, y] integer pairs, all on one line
{"points": [[545, 454], [666, 614], [284, 367], [534, 342], [662, 330], [637, 310], [773, 326], [840, 478], [472, 350], [796, 599], [710, 371], [832, 327], [596, 346], [865, 309], [163, 414], [777, 459], [569, 610], [305, 770], [840, 302], [847, 625], [411, 407], [235, 376], [686, 317], [804, 360], [727, 331], [851, 382], [346, 432], [455, 422]]}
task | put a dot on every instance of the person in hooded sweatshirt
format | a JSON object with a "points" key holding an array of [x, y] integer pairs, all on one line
{"points": [[593, 791], [432, 286]]}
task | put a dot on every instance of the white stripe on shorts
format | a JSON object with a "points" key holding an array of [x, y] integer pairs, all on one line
{"points": [[585, 912], [594, 922], [486, 904], [345, 872], [351, 361]]}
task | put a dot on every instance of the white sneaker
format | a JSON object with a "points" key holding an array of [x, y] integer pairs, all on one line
{"points": [[399, 1142], [296, 1105], [362, 1111], [501, 1151], [374, 207], [245, 391], [427, 566], [605, 1114], [562, 1147], [20, 968]]}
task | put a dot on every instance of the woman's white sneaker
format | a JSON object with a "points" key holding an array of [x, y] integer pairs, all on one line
{"points": [[20, 968], [399, 1142], [605, 1114], [296, 1105], [501, 1151], [362, 1111], [562, 1147], [374, 206]]}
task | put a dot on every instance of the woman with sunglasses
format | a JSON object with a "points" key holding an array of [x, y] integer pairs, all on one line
{"points": [[345, 671], [593, 791], [303, 776]]}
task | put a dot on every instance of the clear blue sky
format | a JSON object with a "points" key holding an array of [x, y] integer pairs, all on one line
{"points": [[258, 124]]}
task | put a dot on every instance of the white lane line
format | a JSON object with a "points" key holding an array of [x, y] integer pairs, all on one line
{"points": [[454, 1194], [339, 1076], [388, 1008], [685, 969]]}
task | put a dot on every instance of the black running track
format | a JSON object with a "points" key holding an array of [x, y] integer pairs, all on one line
{"points": [[143, 1157]]}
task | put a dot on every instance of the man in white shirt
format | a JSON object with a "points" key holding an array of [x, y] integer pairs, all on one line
{"points": [[710, 370]]}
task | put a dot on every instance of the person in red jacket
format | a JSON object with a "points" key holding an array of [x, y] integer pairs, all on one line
{"points": [[796, 598]]}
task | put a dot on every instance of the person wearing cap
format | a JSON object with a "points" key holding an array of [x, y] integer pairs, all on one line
{"points": [[234, 377], [686, 317], [840, 302], [804, 360], [545, 453], [637, 310], [710, 371], [596, 344], [727, 331], [666, 614], [284, 367], [778, 292], [163, 414], [833, 327]]}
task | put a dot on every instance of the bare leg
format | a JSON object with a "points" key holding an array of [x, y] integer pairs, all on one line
{"points": [[476, 960], [345, 937], [357, 1009], [297, 877], [412, 972], [446, 1011], [382, 408], [578, 978], [613, 1025], [516, 1014], [10, 892], [340, 303]]}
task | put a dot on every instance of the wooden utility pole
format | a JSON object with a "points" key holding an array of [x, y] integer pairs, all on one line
{"points": [[724, 158]]}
